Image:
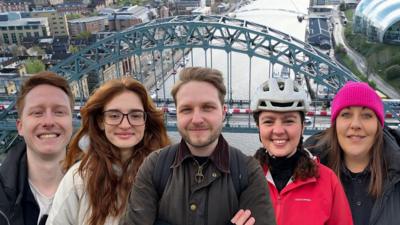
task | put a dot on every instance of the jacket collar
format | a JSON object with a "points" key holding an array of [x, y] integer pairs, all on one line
{"points": [[219, 157], [14, 172], [391, 152]]}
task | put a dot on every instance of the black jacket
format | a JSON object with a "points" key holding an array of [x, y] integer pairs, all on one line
{"points": [[17, 204], [386, 209]]}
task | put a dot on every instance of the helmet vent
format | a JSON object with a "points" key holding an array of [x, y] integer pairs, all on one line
{"points": [[282, 105]]}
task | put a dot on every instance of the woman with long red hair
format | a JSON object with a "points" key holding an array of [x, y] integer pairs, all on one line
{"points": [[120, 127]]}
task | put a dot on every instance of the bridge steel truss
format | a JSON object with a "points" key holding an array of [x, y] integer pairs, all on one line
{"points": [[205, 32], [208, 32]]}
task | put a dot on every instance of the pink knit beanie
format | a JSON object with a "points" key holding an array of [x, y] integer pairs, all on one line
{"points": [[357, 94]]}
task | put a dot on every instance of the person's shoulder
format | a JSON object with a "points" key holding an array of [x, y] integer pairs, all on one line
{"points": [[326, 174]]}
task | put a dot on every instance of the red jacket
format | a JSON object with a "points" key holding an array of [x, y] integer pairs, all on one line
{"points": [[314, 201]]}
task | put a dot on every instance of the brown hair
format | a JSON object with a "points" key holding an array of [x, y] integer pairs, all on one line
{"points": [[104, 186], [377, 162], [45, 77], [306, 166], [211, 76]]}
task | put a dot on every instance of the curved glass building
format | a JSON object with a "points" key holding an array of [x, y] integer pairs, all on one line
{"points": [[379, 20]]}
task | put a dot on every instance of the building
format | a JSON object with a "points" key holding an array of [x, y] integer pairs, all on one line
{"points": [[44, 3], [57, 22], [15, 26], [184, 7], [122, 18], [14, 6], [89, 24], [378, 20], [318, 32], [72, 8], [164, 11], [326, 2]]}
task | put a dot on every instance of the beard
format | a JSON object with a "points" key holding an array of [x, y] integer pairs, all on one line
{"points": [[201, 141]]}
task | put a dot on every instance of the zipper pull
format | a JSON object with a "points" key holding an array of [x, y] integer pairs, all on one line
{"points": [[199, 177]]}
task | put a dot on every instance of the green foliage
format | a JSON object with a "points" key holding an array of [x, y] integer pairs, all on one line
{"points": [[393, 73], [342, 6], [34, 66], [84, 35], [73, 49], [73, 16]]}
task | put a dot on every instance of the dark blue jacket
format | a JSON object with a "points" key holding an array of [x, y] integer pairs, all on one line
{"points": [[17, 204], [386, 208]]}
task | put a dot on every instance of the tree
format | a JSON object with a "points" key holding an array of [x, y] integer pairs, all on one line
{"points": [[342, 6], [84, 35], [34, 66], [392, 73], [73, 16], [73, 49]]}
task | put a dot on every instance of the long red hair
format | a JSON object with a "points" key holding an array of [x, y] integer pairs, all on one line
{"points": [[108, 189]]}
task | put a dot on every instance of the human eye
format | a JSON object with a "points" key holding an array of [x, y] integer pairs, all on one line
{"points": [[136, 115], [114, 115], [367, 115], [267, 121], [288, 121], [345, 114], [36, 113], [208, 108], [185, 110], [60, 112]]}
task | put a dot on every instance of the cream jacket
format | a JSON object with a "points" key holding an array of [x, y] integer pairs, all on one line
{"points": [[70, 205]]}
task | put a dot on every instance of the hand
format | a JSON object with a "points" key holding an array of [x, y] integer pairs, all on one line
{"points": [[243, 217]]}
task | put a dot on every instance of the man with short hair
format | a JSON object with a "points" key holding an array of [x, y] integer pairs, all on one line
{"points": [[32, 170], [200, 188]]}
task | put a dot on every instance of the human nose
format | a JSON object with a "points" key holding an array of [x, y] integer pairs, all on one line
{"points": [[355, 122], [278, 129], [125, 122], [197, 116], [48, 119]]}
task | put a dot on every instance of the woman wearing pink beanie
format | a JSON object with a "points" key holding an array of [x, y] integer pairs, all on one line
{"points": [[363, 153]]}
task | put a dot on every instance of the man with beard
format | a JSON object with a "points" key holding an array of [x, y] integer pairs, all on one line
{"points": [[32, 170], [200, 186]]}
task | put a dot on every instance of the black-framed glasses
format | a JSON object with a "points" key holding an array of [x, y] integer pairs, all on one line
{"points": [[115, 117]]}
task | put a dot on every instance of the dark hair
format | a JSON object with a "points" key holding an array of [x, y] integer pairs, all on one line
{"points": [[256, 116], [104, 186], [306, 166], [41, 78], [377, 163], [208, 75]]}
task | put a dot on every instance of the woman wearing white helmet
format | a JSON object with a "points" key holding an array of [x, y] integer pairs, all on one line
{"points": [[302, 190]]}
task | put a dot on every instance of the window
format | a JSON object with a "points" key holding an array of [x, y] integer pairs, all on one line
{"points": [[6, 40], [14, 38], [11, 28], [21, 37], [3, 28], [28, 34], [27, 27], [36, 34], [19, 27]]}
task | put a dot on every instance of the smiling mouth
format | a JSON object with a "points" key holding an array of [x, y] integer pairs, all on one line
{"points": [[279, 142], [48, 136]]}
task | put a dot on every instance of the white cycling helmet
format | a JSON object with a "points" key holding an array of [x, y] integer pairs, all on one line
{"points": [[280, 95]]}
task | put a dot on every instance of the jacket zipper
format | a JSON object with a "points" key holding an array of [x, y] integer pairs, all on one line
{"points": [[5, 217], [278, 207]]}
